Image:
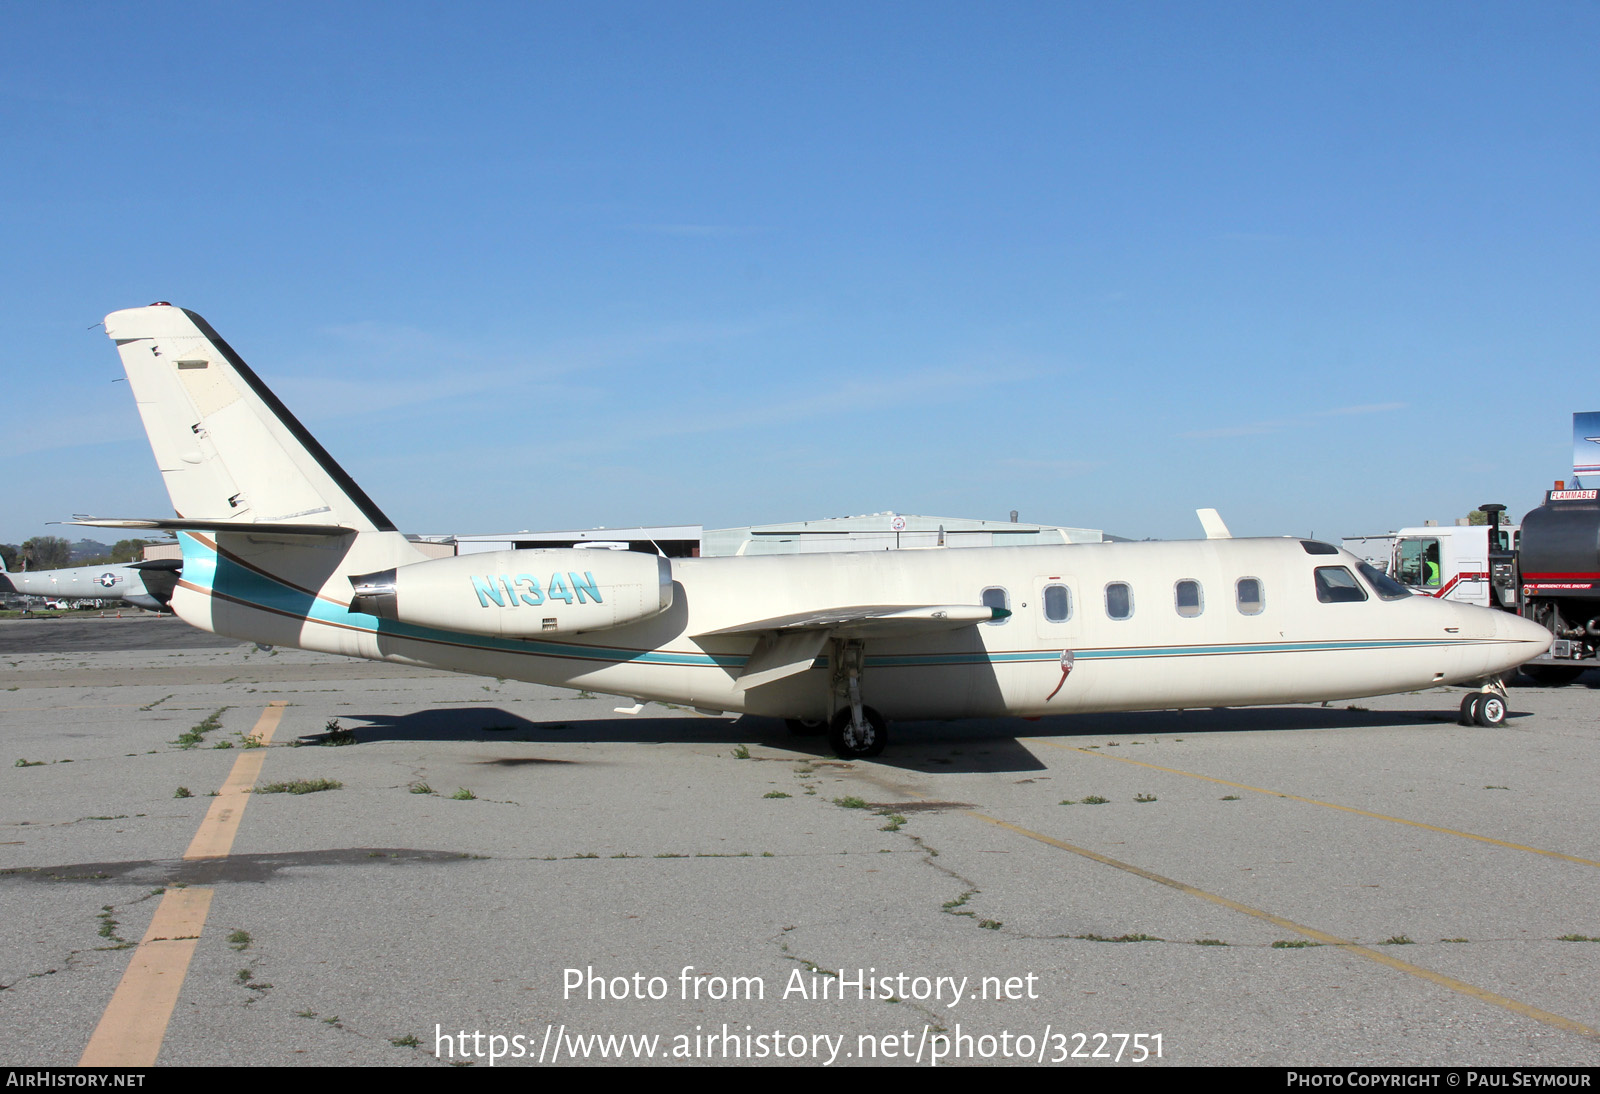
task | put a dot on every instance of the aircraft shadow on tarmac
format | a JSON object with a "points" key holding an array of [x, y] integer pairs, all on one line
{"points": [[975, 745], [259, 867]]}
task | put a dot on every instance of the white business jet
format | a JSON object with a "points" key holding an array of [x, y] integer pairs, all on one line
{"points": [[280, 546]]}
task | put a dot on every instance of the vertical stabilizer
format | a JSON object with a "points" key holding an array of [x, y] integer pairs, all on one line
{"points": [[228, 450]]}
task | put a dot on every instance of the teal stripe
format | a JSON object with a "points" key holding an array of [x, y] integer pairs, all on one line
{"points": [[255, 590], [1149, 652], [204, 567]]}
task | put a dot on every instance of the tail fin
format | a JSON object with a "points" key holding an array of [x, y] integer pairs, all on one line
{"points": [[230, 453]]}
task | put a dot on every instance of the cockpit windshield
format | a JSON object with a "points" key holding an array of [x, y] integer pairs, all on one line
{"points": [[1337, 585], [1385, 586]]}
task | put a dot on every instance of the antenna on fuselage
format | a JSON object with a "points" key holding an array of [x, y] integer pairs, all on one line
{"points": [[1211, 521]]}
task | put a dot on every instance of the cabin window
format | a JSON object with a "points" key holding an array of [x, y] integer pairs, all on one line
{"points": [[1057, 603], [995, 597], [1119, 600], [1189, 599], [1337, 585], [1251, 598]]}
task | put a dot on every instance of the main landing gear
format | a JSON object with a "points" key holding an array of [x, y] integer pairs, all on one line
{"points": [[1485, 708], [856, 731]]}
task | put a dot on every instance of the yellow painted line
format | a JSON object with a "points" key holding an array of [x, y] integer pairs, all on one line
{"points": [[1480, 994], [135, 1022], [1326, 805], [215, 838]]}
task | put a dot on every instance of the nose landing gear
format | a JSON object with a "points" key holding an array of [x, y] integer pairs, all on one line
{"points": [[1485, 708]]}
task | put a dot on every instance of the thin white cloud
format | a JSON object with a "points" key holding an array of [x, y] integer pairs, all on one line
{"points": [[701, 230], [1369, 408], [421, 369], [1236, 430], [87, 429], [1062, 468], [1256, 428], [854, 397], [1256, 237]]}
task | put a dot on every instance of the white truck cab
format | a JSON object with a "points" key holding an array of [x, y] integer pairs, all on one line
{"points": [[1447, 562]]}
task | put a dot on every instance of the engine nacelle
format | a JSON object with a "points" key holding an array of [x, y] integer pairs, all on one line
{"points": [[520, 594]]}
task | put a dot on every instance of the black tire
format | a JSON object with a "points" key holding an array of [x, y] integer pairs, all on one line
{"points": [[1551, 676], [847, 746], [1469, 709], [1490, 711], [805, 727]]}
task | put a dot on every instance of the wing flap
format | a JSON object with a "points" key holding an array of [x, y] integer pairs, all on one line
{"points": [[782, 654], [789, 644]]}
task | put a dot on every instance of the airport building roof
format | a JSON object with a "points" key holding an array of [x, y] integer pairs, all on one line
{"points": [[887, 531], [672, 540]]}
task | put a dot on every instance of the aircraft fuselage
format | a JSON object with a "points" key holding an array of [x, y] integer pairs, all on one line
{"points": [[1209, 644]]}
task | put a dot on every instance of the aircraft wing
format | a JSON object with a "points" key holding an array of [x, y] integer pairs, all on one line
{"points": [[790, 643], [865, 621]]}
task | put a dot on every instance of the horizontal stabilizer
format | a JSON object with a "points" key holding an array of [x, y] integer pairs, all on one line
{"points": [[178, 524], [872, 620]]}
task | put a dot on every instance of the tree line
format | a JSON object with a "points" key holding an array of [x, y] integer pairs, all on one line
{"points": [[55, 552]]}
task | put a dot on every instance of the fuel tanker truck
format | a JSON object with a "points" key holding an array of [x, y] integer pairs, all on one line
{"points": [[1553, 578]]}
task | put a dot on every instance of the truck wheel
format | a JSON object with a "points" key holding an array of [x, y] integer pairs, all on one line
{"points": [[1490, 711], [1551, 676]]}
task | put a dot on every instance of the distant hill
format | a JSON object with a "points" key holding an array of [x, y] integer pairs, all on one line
{"points": [[85, 549]]}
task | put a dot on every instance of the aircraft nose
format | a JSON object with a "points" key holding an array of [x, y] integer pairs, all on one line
{"points": [[1521, 639]]}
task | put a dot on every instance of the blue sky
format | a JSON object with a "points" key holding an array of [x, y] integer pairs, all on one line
{"points": [[1330, 268]]}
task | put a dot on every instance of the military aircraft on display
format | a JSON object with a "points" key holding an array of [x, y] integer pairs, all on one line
{"points": [[280, 546], [146, 585]]}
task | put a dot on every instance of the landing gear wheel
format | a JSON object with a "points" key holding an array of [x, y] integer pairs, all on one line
{"points": [[1490, 711], [806, 727], [1469, 709], [856, 743]]}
